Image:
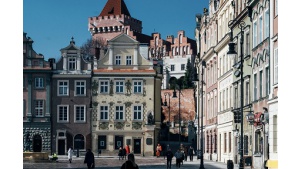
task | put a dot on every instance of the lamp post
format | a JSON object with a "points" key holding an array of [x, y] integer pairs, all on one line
{"points": [[232, 54], [165, 104], [179, 119]]}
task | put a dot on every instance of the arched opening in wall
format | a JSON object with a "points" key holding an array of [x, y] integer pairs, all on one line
{"points": [[172, 82], [69, 141], [37, 143], [79, 141]]}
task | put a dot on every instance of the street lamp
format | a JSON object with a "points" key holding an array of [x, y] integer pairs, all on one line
{"points": [[165, 104], [179, 119], [232, 54]]}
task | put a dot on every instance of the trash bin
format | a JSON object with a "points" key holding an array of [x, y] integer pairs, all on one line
{"points": [[229, 164]]}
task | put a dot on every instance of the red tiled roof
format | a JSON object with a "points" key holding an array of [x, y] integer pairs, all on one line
{"points": [[115, 7]]}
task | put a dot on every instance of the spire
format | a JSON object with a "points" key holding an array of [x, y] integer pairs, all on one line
{"points": [[115, 7]]}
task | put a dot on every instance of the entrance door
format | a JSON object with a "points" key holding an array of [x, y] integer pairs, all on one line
{"points": [[61, 147], [37, 143], [137, 146]]}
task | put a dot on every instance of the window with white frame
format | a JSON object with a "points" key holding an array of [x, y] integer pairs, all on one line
{"points": [[254, 34], [119, 86], [276, 66], [182, 66], [255, 87], [119, 110], [80, 87], [260, 84], [247, 93], [172, 67], [230, 96], [236, 97], [62, 113], [137, 112], [220, 101], [39, 82], [267, 77], [276, 7], [267, 23], [260, 29], [39, 108], [248, 44], [63, 88], [137, 86], [72, 63], [103, 112], [80, 113], [118, 60], [128, 60], [227, 98], [104, 86]]}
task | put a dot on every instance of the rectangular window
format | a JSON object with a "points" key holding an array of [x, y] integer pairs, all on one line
{"points": [[102, 142], [254, 34], [260, 83], [118, 60], [247, 93], [104, 86], [227, 98], [230, 96], [172, 67], [63, 114], [119, 86], [63, 88], [229, 142], [137, 86], [225, 142], [39, 108], [103, 112], [276, 7], [24, 108], [182, 66], [80, 114], [255, 87], [128, 60], [267, 77], [137, 112], [247, 44], [80, 88], [72, 63], [236, 97], [276, 66], [246, 145], [119, 112], [39, 82], [260, 29], [267, 23], [223, 100]]}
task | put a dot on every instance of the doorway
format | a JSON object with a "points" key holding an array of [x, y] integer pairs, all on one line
{"points": [[37, 143], [61, 147], [137, 146]]}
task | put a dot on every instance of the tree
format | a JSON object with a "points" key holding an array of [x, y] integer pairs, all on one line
{"points": [[188, 76], [92, 48]]}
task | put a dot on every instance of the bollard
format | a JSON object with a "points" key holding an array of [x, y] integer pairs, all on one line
{"points": [[77, 152]]}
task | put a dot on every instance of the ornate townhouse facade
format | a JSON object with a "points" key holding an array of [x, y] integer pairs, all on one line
{"points": [[126, 99], [71, 82], [36, 99]]}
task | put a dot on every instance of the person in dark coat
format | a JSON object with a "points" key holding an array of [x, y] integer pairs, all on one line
{"points": [[191, 153], [185, 153], [124, 153], [89, 159], [120, 154], [130, 163], [169, 155]]}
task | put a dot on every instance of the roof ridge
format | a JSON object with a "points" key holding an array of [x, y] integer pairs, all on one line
{"points": [[115, 7]]}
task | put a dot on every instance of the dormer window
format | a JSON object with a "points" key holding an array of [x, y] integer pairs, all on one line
{"points": [[72, 63], [118, 60]]}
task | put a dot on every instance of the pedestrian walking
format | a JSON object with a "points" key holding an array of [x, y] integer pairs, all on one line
{"points": [[124, 153], [178, 155], [169, 155], [130, 163], [70, 154], [127, 148], [120, 154], [191, 153], [166, 150], [158, 150], [185, 150], [89, 159]]}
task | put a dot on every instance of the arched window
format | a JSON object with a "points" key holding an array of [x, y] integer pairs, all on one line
{"points": [[180, 38], [79, 141]]}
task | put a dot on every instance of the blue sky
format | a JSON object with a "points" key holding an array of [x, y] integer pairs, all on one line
{"points": [[52, 23]]}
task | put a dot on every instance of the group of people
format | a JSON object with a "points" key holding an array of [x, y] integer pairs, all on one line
{"points": [[123, 152]]}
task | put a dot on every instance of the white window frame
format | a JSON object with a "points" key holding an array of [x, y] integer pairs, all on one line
{"points": [[119, 112], [76, 115], [137, 86], [137, 111], [39, 82], [276, 66], [104, 109], [260, 28], [128, 60], [71, 63], [119, 84], [80, 86], [104, 86], [172, 68], [64, 87], [276, 7], [255, 87], [117, 60], [261, 80], [182, 66], [58, 113], [39, 108], [267, 23], [267, 77], [254, 34]]}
